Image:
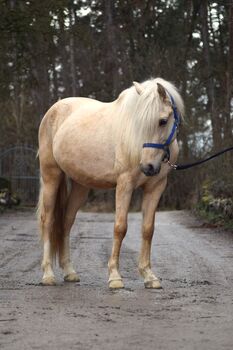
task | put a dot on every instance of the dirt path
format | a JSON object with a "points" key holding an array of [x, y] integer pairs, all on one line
{"points": [[193, 311]]}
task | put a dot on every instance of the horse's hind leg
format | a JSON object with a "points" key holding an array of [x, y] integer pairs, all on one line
{"points": [[47, 203], [77, 197], [149, 205]]}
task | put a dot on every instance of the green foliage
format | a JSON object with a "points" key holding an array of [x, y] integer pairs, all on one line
{"points": [[4, 183], [217, 219], [207, 197], [7, 199], [217, 210]]}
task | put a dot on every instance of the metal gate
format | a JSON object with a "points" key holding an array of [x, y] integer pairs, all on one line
{"points": [[19, 165]]}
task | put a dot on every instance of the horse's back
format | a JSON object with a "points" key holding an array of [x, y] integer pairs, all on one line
{"points": [[61, 110]]}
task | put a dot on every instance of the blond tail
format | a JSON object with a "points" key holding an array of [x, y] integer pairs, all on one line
{"points": [[56, 234]]}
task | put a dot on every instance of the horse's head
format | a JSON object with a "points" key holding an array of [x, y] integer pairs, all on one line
{"points": [[164, 121]]}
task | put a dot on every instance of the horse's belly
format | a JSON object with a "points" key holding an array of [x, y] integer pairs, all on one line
{"points": [[92, 181], [89, 175]]}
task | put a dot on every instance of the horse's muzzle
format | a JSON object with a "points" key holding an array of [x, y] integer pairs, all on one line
{"points": [[150, 169]]}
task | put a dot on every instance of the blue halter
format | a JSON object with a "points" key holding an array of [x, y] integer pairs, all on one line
{"points": [[166, 144]]}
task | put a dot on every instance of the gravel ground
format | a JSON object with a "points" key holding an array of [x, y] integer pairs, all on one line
{"points": [[194, 310]]}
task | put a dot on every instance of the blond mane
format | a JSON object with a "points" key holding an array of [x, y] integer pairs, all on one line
{"points": [[138, 114]]}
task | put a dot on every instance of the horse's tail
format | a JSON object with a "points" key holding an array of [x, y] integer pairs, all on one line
{"points": [[56, 233]]}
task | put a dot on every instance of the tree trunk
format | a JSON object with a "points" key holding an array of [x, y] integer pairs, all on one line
{"points": [[209, 75], [111, 59], [229, 78], [73, 74]]}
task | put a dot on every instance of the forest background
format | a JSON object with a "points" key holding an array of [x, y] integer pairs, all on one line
{"points": [[51, 49]]}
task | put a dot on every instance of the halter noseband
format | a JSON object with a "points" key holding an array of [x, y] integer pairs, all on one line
{"points": [[166, 144]]}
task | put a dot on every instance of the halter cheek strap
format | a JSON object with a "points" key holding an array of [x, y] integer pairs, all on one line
{"points": [[166, 144]]}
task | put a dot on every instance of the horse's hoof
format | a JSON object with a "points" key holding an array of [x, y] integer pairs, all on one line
{"points": [[116, 284], [49, 281], [155, 284], [72, 277]]}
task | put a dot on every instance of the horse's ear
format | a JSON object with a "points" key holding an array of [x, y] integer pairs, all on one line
{"points": [[139, 88], [162, 92]]}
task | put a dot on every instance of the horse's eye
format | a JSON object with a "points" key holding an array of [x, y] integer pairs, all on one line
{"points": [[163, 122]]}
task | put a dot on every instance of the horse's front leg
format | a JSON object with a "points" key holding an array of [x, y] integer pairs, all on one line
{"points": [[150, 201], [124, 191]]}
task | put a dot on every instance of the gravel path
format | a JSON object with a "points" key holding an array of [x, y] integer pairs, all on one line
{"points": [[194, 310]]}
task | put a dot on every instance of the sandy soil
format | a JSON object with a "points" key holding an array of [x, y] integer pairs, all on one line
{"points": [[194, 310]]}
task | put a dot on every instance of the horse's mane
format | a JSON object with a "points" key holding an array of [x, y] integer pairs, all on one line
{"points": [[137, 117]]}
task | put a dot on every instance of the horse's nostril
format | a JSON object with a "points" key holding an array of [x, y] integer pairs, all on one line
{"points": [[150, 167]]}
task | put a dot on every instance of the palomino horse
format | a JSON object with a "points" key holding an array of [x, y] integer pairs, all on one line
{"points": [[120, 144]]}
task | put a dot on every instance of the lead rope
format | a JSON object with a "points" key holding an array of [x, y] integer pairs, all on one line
{"points": [[190, 165]]}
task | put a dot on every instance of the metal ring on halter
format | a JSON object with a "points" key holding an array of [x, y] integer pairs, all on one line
{"points": [[173, 166]]}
